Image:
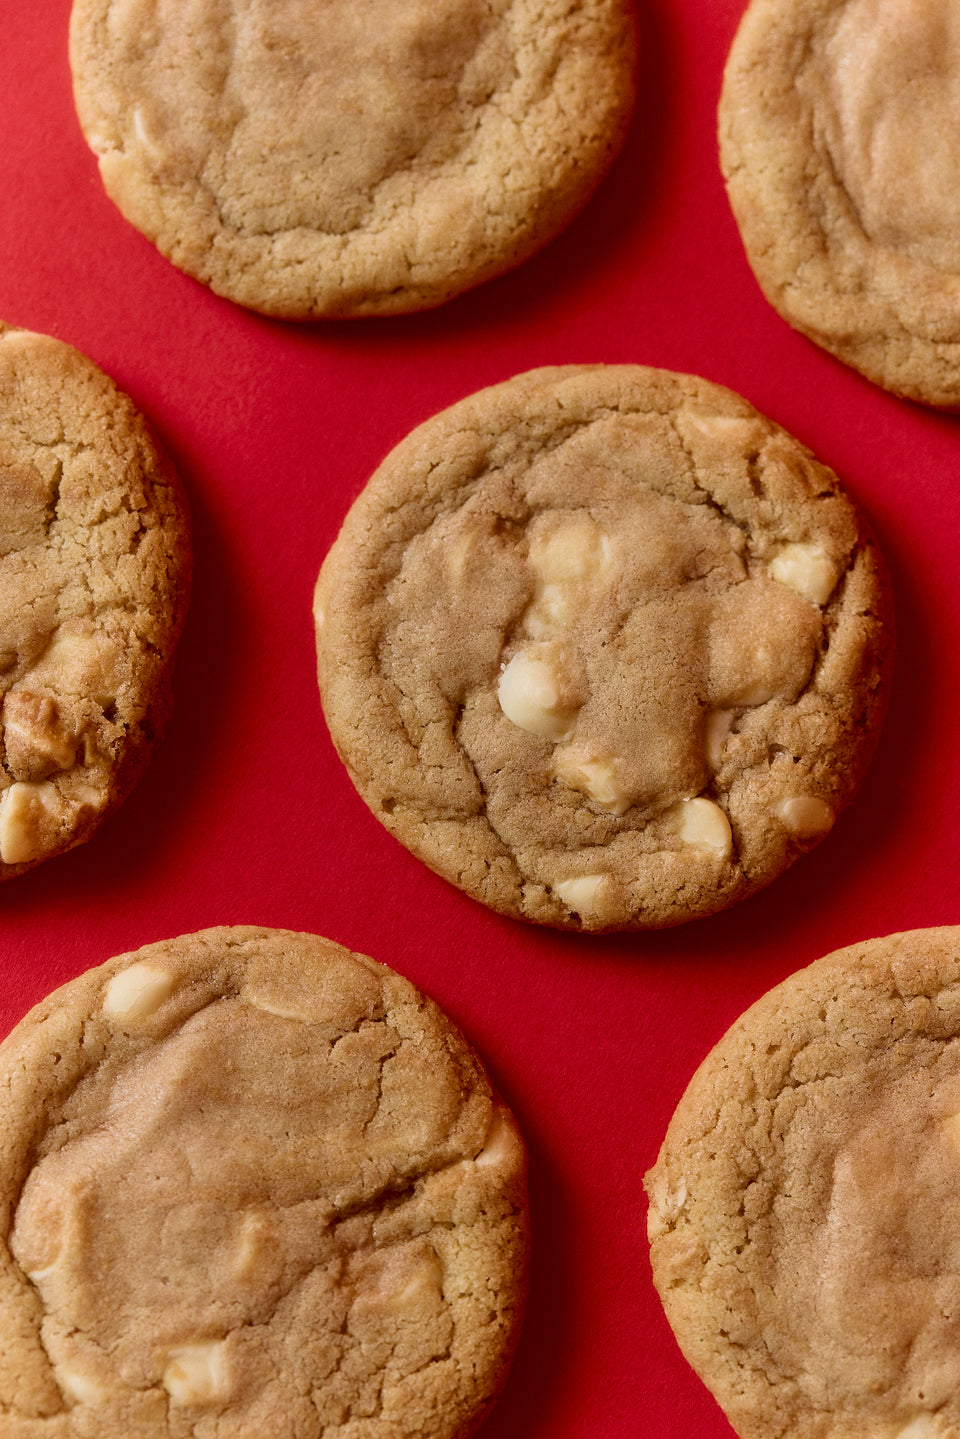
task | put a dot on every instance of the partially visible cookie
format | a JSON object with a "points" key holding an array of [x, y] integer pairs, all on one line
{"points": [[335, 159], [253, 1185], [603, 646], [838, 140], [94, 574], [805, 1206]]}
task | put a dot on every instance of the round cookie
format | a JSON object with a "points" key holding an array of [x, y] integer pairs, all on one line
{"points": [[337, 159], [94, 574], [603, 646], [838, 144], [805, 1206], [253, 1184]]}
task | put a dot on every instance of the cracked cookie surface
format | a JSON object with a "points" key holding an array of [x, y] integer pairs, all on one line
{"points": [[804, 1211], [839, 146], [335, 159], [254, 1184], [94, 573], [603, 646]]}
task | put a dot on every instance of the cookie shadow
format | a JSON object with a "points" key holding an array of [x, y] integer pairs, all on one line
{"points": [[612, 224], [547, 1344], [207, 673]]}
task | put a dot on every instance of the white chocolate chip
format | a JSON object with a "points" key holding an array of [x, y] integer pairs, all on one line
{"points": [[137, 992], [596, 777], [459, 553], [665, 1207], [425, 1283], [925, 1426], [36, 740], [531, 696], [552, 609], [571, 553], [716, 732], [498, 1143], [586, 894], [576, 549], [805, 816], [740, 431], [196, 1373], [704, 825], [806, 569], [29, 821], [81, 1388]]}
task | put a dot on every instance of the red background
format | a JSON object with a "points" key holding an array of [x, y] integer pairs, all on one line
{"points": [[246, 815]]}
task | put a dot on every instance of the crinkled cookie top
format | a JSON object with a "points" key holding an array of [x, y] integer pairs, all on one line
{"points": [[254, 1184], [839, 145], [94, 573], [804, 1207], [311, 159], [603, 646]]}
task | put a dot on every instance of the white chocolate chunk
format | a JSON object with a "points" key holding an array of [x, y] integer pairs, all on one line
{"points": [[925, 1426], [81, 1388], [585, 894], [552, 608], [805, 816], [572, 553], [665, 1207], [716, 732], [458, 555], [577, 549], [704, 825], [29, 821], [498, 1143], [530, 695], [137, 992], [596, 777], [425, 1282], [196, 1373], [738, 430], [807, 569]]}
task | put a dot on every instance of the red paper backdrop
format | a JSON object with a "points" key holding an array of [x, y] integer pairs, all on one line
{"points": [[246, 815]]}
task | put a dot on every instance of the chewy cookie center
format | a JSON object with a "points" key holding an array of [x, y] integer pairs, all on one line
{"points": [[889, 71], [225, 1182], [293, 115]]}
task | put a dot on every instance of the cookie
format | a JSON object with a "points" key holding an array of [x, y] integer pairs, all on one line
{"points": [[837, 141], [805, 1206], [603, 646], [94, 573], [253, 1184], [337, 159]]}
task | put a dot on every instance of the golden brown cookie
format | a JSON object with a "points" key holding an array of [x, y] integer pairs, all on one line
{"points": [[94, 573], [805, 1207], [838, 140], [326, 159], [253, 1185], [603, 646]]}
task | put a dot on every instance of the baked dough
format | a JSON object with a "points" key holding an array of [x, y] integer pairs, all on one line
{"points": [[94, 574], [840, 144], [805, 1206], [314, 158], [253, 1185], [603, 646]]}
